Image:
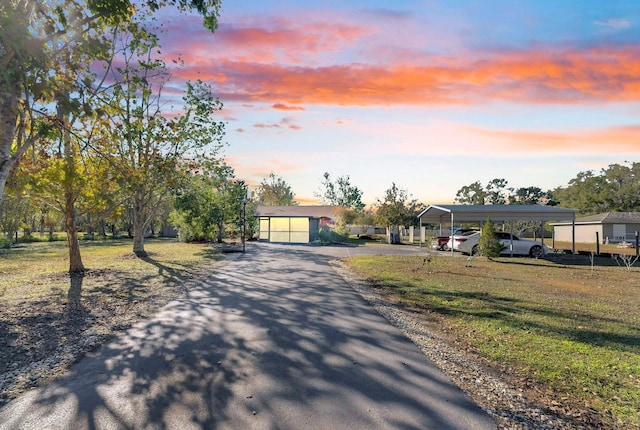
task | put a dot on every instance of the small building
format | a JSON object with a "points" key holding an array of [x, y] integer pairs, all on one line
{"points": [[295, 224], [609, 227]]}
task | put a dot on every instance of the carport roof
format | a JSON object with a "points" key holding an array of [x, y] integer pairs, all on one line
{"points": [[436, 214]]}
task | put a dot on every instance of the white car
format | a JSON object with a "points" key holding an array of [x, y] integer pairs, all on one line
{"points": [[520, 246], [445, 243], [459, 237]]}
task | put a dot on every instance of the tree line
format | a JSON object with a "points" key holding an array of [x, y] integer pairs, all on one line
{"points": [[615, 188], [395, 208], [612, 189]]}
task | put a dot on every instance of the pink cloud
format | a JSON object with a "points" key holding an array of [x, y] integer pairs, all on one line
{"points": [[266, 40], [286, 63], [577, 76], [284, 122]]}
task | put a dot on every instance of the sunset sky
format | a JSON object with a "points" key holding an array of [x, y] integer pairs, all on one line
{"points": [[429, 95]]}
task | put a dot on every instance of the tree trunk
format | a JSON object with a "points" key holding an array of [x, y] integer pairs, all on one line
{"points": [[70, 196], [8, 119], [75, 259], [220, 231], [138, 232], [5, 166]]}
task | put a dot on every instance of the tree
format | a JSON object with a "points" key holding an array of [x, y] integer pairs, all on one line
{"points": [[488, 243], [229, 197], [623, 185], [147, 148], [36, 38], [495, 192], [68, 177], [340, 193], [614, 189], [275, 191], [394, 210], [528, 196], [209, 202], [391, 210], [473, 194], [476, 194], [14, 209]]}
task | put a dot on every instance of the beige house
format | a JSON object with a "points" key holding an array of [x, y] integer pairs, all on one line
{"points": [[609, 227], [295, 224]]}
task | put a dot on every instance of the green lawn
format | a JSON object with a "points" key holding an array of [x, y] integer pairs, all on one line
{"points": [[570, 327], [38, 270]]}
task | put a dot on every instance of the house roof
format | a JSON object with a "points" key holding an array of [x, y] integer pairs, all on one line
{"points": [[611, 218], [435, 214], [299, 211]]}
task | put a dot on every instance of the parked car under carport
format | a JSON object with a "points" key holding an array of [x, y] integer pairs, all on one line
{"points": [[505, 214], [447, 242], [512, 244]]}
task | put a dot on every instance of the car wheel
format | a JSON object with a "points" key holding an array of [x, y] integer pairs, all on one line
{"points": [[536, 251], [445, 247], [474, 250]]}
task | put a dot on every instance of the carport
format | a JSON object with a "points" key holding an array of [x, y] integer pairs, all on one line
{"points": [[450, 214]]}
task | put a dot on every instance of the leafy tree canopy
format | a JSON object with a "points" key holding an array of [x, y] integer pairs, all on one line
{"points": [[340, 193], [614, 189], [275, 191], [46, 49], [496, 192], [473, 194], [395, 208]]}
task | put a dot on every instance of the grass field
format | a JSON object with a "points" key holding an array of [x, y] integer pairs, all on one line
{"points": [[38, 270], [569, 327]]}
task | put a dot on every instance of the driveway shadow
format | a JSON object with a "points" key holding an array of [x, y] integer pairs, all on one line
{"points": [[273, 340]]}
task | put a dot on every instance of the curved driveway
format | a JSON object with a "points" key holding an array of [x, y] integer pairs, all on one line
{"points": [[273, 340]]}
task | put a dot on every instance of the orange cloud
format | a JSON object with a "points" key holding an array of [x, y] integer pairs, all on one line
{"points": [[621, 140], [281, 106], [453, 139], [440, 138], [575, 76]]}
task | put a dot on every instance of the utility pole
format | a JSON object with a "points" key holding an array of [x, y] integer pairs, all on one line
{"points": [[245, 200]]}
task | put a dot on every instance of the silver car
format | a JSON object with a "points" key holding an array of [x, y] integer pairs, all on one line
{"points": [[512, 245]]}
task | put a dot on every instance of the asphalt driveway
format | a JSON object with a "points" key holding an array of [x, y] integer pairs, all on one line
{"points": [[275, 340]]}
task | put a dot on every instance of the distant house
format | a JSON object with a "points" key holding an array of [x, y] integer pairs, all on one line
{"points": [[611, 227], [295, 224]]}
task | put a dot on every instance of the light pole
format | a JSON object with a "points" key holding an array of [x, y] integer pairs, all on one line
{"points": [[243, 236], [244, 223]]}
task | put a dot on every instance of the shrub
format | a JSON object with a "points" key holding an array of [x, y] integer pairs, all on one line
{"points": [[327, 236], [488, 244]]}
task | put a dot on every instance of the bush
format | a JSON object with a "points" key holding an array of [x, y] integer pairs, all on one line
{"points": [[327, 235], [4, 242], [488, 244]]}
